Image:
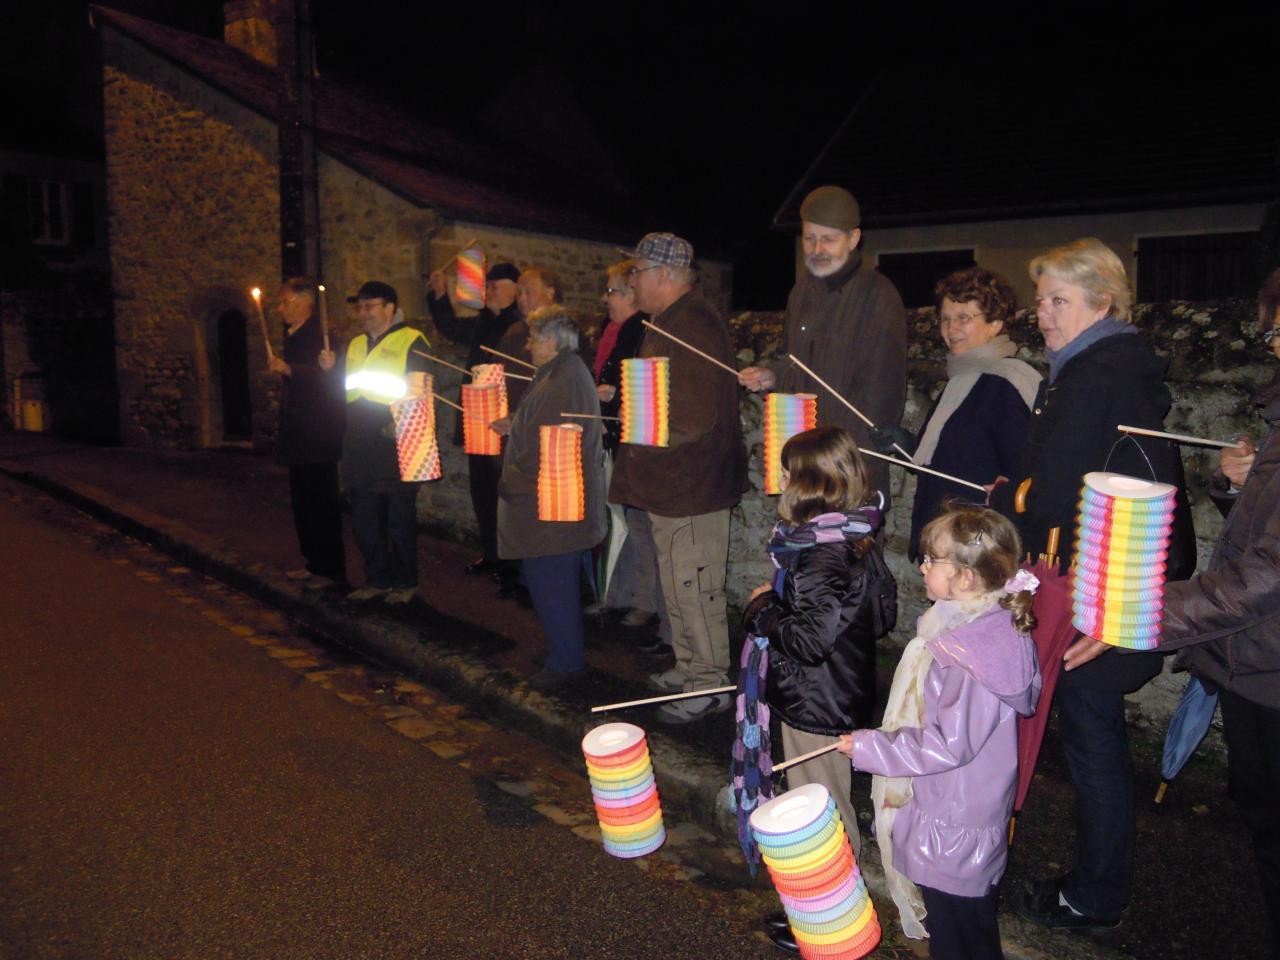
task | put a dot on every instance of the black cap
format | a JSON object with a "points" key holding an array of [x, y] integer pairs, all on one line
{"points": [[502, 271], [376, 290]]}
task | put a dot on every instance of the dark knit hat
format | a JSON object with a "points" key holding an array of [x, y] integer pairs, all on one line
{"points": [[833, 207], [502, 271], [376, 290]]}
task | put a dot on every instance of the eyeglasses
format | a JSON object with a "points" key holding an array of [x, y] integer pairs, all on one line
{"points": [[1270, 335], [959, 320], [609, 291], [927, 561], [635, 270]]}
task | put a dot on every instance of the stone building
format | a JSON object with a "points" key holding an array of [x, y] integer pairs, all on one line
{"points": [[194, 218]]}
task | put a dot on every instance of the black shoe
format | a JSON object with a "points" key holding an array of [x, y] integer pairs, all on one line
{"points": [[481, 565], [784, 939], [1053, 915], [776, 921]]}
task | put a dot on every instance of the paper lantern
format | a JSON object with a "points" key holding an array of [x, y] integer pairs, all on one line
{"points": [[468, 289], [1122, 541], [785, 415], [803, 842], [416, 446], [481, 405], [495, 374], [625, 792], [646, 395], [561, 488]]}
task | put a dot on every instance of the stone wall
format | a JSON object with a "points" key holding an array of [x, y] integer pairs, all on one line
{"points": [[1216, 363]]}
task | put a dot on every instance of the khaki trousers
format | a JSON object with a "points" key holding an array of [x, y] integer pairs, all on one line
{"points": [[832, 770], [693, 554]]}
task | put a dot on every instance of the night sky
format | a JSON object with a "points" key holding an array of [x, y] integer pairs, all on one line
{"points": [[707, 117]]}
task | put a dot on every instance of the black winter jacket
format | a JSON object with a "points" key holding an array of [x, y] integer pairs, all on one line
{"points": [[1117, 380], [822, 636]]}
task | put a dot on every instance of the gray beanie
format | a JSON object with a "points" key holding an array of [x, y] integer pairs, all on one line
{"points": [[833, 207]]}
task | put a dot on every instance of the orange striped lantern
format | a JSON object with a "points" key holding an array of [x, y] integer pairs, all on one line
{"points": [[416, 446], [468, 289], [561, 488], [493, 373], [481, 405], [785, 415]]}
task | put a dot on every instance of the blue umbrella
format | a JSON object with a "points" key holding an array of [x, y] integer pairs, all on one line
{"points": [[1187, 728]]}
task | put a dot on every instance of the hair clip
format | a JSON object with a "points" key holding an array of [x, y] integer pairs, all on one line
{"points": [[1022, 580]]}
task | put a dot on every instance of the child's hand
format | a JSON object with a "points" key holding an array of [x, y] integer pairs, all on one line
{"points": [[763, 588], [845, 744]]}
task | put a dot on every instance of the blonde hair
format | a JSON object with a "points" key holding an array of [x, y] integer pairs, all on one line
{"points": [[1092, 265], [988, 544], [825, 474], [621, 271]]}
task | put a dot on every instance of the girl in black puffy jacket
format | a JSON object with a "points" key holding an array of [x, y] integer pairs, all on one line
{"points": [[831, 598]]}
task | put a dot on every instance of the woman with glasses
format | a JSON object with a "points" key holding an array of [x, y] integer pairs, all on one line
{"points": [[976, 428], [1102, 373]]}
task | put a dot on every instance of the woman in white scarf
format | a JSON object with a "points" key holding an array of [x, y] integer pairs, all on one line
{"points": [[977, 428]]}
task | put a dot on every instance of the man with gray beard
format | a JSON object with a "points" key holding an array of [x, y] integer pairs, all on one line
{"points": [[845, 321]]}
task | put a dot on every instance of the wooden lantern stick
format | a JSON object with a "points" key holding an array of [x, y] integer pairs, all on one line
{"points": [[831, 390], [689, 346], [915, 466], [262, 321], [803, 757], [587, 416], [462, 249], [669, 697], [507, 356], [1176, 437], [324, 315], [454, 366], [449, 403]]}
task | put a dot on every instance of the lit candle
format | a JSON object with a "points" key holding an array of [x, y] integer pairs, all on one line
{"points": [[324, 318], [262, 321]]}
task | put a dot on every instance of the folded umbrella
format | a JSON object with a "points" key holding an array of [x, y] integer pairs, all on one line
{"points": [[1187, 729]]}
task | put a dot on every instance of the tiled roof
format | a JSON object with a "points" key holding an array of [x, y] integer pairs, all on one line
{"points": [[464, 178]]}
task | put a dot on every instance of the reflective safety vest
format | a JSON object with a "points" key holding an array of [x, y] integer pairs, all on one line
{"points": [[379, 376]]}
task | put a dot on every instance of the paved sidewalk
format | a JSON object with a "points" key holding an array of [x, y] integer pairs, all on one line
{"points": [[227, 514]]}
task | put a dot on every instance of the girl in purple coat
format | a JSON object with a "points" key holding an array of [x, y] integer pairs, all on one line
{"points": [[945, 758]]}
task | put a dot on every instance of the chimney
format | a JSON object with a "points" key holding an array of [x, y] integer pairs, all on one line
{"points": [[250, 26]]}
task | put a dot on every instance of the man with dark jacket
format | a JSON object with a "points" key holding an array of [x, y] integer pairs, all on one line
{"points": [[689, 486], [845, 322], [309, 439], [486, 329]]}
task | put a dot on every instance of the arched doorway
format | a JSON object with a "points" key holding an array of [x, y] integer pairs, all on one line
{"points": [[233, 376]]}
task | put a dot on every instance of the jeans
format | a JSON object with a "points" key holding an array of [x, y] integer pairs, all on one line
{"points": [[386, 528], [555, 588], [1095, 741]]}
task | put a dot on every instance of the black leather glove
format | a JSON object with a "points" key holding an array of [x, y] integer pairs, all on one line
{"points": [[883, 439]]}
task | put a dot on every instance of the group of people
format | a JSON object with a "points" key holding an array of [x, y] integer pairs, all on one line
{"points": [[944, 757]]}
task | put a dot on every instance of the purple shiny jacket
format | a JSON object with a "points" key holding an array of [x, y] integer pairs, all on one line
{"points": [[952, 833]]}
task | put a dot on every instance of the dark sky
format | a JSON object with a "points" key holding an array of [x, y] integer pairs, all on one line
{"points": [[707, 114]]}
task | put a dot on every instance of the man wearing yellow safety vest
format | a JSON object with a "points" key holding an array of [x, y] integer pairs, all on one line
{"points": [[383, 507]]}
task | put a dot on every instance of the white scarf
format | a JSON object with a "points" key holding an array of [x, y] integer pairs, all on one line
{"points": [[905, 708], [963, 370]]}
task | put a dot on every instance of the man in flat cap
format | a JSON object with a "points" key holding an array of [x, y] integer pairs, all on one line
{"points": [[688, 487], [845, 321], [380, 365], [485, 329]]}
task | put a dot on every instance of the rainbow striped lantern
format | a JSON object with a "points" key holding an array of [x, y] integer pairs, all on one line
{"points": [[624, 789], [803, 843], [646, 399], [468, 289], [481, 405], [493, 373], [561, 489], [1122, 542], [416, 445], [785, 415]]}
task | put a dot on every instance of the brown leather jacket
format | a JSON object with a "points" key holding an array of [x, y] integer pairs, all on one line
{"points": [[1227, 618]]}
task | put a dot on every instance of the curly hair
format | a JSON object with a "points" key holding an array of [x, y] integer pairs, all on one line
{"points": [[988, 544], [993, 293]]}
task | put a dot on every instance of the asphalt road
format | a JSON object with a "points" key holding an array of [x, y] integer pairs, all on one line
{"points": [[172, 786]]}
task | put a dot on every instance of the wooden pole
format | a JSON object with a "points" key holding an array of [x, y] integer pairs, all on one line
{"points": [[454, 366], [689, 346], [917, 467], [507, 356], [447, 403], [262, 322], [466, 246], [831, 390], [673, 696], [1177, 437], [324, 317], [588, 416], [803, 757]]}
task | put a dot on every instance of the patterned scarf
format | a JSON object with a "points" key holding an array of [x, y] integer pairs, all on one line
{"points": [[752, 764]]}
